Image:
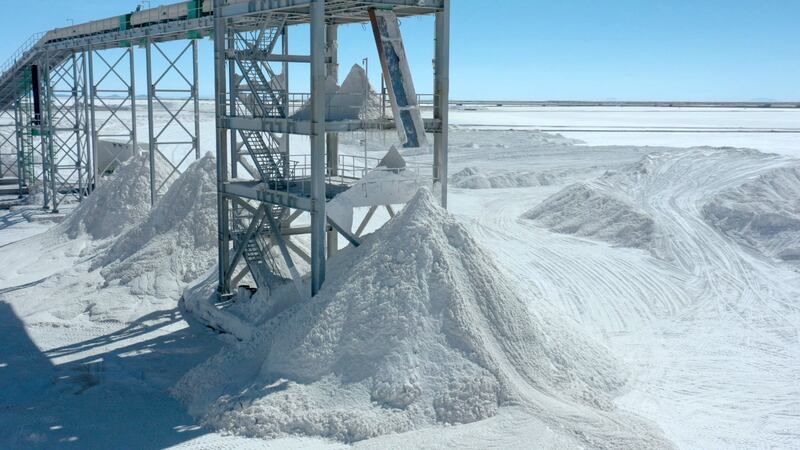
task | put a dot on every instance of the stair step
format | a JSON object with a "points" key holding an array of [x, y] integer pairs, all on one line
{"points": [[9, 181]]}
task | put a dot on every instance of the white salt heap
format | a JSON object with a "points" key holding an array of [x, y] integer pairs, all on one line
{"points": [[591, 210], [120, 202], [355, 99], [763, 213], [176, 244], [474, 178], [416, 327]]}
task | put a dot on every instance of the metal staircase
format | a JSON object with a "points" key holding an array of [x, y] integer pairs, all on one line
{"points": [[252, 232], [270, 161], [254, 95]]}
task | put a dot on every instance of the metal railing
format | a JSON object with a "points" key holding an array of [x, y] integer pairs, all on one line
{"points": [[351, 169], [20, 53], [338, 107]]}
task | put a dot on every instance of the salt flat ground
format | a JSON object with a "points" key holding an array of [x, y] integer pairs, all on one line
{"points": [[707, 327]]}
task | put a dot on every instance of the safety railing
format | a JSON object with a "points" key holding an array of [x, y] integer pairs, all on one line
{"points": [[351, 169], [20, 53], [338, 107]]}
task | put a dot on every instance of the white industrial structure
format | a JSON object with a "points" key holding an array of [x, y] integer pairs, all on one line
{"points": [[53, 88]]}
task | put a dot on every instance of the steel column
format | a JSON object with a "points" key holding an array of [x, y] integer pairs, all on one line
{"points": [[77, 96], [21, 163], [49, 133], [132, 87], [223, 219], [151, 131], [93, 124], [332, 148], [317, 145], [441, 98], [196, 95], [285, 147], [89, 151], [234, 147]]}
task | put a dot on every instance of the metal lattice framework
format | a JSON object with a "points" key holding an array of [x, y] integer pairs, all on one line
{"points": [[67, 130], [179, 101], [256, 91], [113, 92], [28, 150], [263, 189], [8, 144], [258, 115]]}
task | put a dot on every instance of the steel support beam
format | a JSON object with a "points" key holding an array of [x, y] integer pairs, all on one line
{"points": [[332, 139], [223, 215], [318, 77], [38, 74], [441, 98], [20, 139]]}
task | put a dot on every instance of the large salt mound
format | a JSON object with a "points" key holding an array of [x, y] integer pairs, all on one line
{"points": [[763, 213], [120, 202], [178, 241], [473, 178], [416, 327], [590, 210]]}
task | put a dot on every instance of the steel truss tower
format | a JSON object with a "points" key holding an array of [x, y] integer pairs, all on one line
{"points": [[18, 148], [255, 114], [179, 100], [113, 89], [65, 128], [28, 148]]}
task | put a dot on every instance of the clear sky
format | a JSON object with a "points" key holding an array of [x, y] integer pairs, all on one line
{"points": [[549, 49]]}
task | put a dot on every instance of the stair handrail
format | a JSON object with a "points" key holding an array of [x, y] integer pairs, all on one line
{"points": [[20, 52]]}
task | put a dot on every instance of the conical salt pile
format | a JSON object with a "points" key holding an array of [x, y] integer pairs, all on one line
{"points": [[119, 203], [417, 326], [177, 242]]}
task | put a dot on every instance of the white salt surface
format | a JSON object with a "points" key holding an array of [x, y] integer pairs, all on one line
{"points": [[705, 323], [675, 127]]}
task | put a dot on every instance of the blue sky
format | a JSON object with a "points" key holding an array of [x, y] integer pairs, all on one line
{"points": [[545, 50]]}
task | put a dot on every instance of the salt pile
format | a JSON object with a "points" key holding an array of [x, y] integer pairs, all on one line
{"points": [[120, 202], [478, 139], [416, 327], [592, 210], [763, 213], [474, 178], [353, 100], [178, 241]]}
